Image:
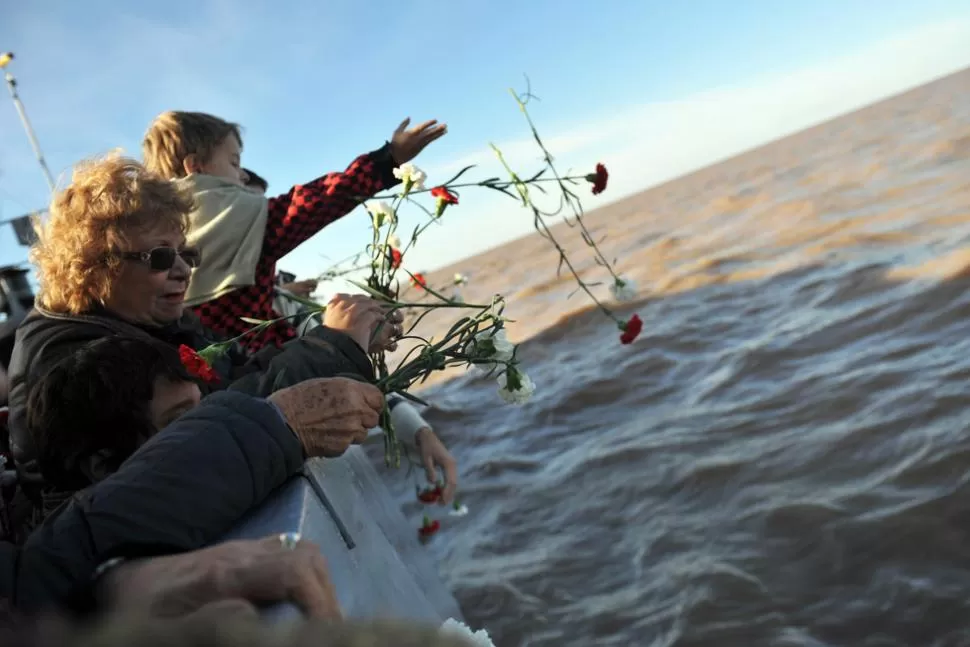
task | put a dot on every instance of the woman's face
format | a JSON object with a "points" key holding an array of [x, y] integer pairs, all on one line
{"points": [[144, 295]]}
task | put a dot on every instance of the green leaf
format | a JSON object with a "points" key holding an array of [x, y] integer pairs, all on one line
{"points": [[369, 290]]}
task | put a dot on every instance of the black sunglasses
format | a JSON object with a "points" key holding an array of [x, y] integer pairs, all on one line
{"points": [[161, 259]]}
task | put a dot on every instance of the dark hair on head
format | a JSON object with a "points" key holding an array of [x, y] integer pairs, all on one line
{"points": [[97, 399], [255, 181]]}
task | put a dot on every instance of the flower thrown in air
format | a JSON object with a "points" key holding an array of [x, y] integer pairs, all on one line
{"points": [[493, 346], [623, 289], [443, 197], [515, 387], [455, 629], [630, 329], [598, 179], [429, 527], [458, 509], [460, 279], [380, 212], [411, 176], [197, 365], [418, 281]]}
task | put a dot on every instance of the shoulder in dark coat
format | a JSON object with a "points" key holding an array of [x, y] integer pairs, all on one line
{"points": [[182, 490]]}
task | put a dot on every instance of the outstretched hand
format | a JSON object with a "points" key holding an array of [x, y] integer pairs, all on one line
{"points": [[407, 143]]}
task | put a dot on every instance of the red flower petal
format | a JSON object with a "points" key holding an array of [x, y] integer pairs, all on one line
{"points": [[418, 281], [599, 179], [631, 329], [429, 527], [396, 258], [196, 365], [430, 495], [443, 194]]}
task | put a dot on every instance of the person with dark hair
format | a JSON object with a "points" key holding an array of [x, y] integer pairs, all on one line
{"points": [[94, 408], [138, 533]]}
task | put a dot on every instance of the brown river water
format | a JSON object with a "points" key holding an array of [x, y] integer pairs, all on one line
{"points": [[783, 457]]}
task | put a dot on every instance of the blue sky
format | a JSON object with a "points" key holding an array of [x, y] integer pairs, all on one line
{"points": [[653, 89]]}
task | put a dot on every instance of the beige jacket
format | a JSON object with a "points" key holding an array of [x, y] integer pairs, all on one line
{"points": [[227, 226]]}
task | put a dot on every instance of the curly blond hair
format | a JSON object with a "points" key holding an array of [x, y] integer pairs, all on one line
{"points": [[107, 200], [173, 136]]}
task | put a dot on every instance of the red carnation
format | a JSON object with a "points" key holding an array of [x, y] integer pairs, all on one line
{"points": [[429, 527], [396, 258], [196, 365], [598, 179], [443, 197], [443, 194], [631, 329], [430, 495], [418, 281]]}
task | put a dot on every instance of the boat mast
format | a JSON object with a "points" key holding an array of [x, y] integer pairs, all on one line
{"points": [[12, 85]]}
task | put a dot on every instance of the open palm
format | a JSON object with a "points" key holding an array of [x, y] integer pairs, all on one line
{"points": [[407, 143]]}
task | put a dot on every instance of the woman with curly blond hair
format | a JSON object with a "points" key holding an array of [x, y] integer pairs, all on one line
{"points": [[112, 260]]}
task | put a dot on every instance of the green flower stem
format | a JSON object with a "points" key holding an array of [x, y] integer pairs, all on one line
{"points": [[569, 195], [546, 233]]}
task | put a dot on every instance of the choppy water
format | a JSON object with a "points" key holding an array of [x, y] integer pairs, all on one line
{"points": [[783, 457]]}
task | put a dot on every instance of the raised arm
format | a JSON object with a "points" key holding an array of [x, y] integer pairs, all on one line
{"points": [[300, 213]]}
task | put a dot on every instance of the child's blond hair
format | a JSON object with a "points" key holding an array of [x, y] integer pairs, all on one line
{"points": [[173, 136]]}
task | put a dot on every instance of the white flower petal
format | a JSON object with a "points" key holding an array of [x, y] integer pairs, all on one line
{"points": [[394, 241], [521, 395], [503, 348], [623, 289], [460, 511], [409, 172], [381, 212], [452, 627]]}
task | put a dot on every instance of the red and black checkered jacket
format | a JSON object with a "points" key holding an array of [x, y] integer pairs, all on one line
{"points": [[293, 218]]}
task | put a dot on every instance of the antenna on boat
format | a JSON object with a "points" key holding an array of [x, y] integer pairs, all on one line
{"points": [[5, 59]]}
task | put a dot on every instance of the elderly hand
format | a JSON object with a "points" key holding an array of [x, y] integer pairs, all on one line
{"points": [[434, 454], [330, 414], [407, 143], [264, 571]]}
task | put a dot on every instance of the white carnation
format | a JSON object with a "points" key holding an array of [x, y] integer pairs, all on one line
{"points": [[520, 395], [394, 241], [494, 345], [411, 176], [623, 289], [380, 212]]}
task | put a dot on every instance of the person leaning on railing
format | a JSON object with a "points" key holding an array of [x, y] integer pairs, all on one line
{"points": [[111, 259], [134, 540]]}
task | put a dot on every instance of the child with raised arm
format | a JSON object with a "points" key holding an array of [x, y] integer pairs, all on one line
{"points": [[240, 233]]}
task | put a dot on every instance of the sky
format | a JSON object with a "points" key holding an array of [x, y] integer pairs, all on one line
{"points": [[651, 89]]}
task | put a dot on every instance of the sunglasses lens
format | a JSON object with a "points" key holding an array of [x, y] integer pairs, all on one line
{"points": [[161, 259], [192, 257]]}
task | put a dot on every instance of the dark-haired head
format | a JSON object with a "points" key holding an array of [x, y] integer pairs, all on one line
{"points": [[93, 409]]}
